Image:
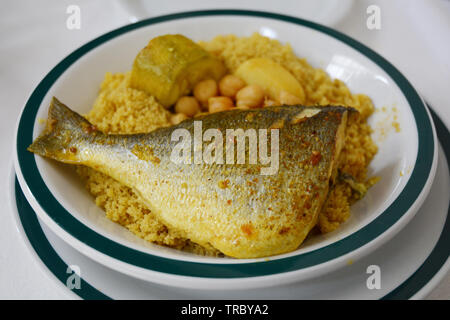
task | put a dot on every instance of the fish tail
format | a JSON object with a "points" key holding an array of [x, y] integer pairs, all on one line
{"points": [[64, 131]]}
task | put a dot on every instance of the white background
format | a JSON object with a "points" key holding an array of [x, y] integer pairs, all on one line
{"points": [[414, 36]]}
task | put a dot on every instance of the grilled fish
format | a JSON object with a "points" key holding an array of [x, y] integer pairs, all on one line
{"points": [[234, 206]]}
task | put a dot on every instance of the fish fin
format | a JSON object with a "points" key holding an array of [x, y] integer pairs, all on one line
{"points": [[63, 130]]}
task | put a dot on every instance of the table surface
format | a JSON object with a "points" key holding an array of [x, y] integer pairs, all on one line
{"points": [[413, 35]]}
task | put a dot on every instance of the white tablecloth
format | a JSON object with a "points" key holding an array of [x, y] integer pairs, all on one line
{"points": [[414, 36]]}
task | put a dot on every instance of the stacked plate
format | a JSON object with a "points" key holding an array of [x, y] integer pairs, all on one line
{"points": [[395, 245]]}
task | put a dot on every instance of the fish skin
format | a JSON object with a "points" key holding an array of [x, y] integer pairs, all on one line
{"points": [[231, 207]]}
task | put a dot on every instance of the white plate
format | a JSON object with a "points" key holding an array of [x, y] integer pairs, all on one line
{"points": [[60, 200], [410, 266]]}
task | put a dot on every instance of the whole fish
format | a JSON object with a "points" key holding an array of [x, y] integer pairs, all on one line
{"points": [[206, 178]]}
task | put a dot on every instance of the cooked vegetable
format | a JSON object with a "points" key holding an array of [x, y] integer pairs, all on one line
{"points": [[206, 89], [177, 118], [289, 99], [217, 104], [358, 187], [188, 106], [271, 77], [170, 66], [251, 96], [230, 85]]}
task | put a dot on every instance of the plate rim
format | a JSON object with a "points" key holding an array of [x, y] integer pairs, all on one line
{"points": [[391, 218]]}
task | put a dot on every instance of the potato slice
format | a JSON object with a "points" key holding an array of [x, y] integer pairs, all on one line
{"points": [[272, 77]]}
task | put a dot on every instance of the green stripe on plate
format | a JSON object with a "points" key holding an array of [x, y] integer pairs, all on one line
{"points": [[137, 258], [45, 251], [441, 251]]}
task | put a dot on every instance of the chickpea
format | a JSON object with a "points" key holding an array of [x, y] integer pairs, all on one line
{"points": [[204, 90], [289, 99], [230, 85], [177, 118], [270, 103], [187, 105], [251, 96], [201, 114], [217, 104]]}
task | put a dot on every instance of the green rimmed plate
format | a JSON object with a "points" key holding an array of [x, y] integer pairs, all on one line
{"points": [[410, 268], [62, 203]]}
